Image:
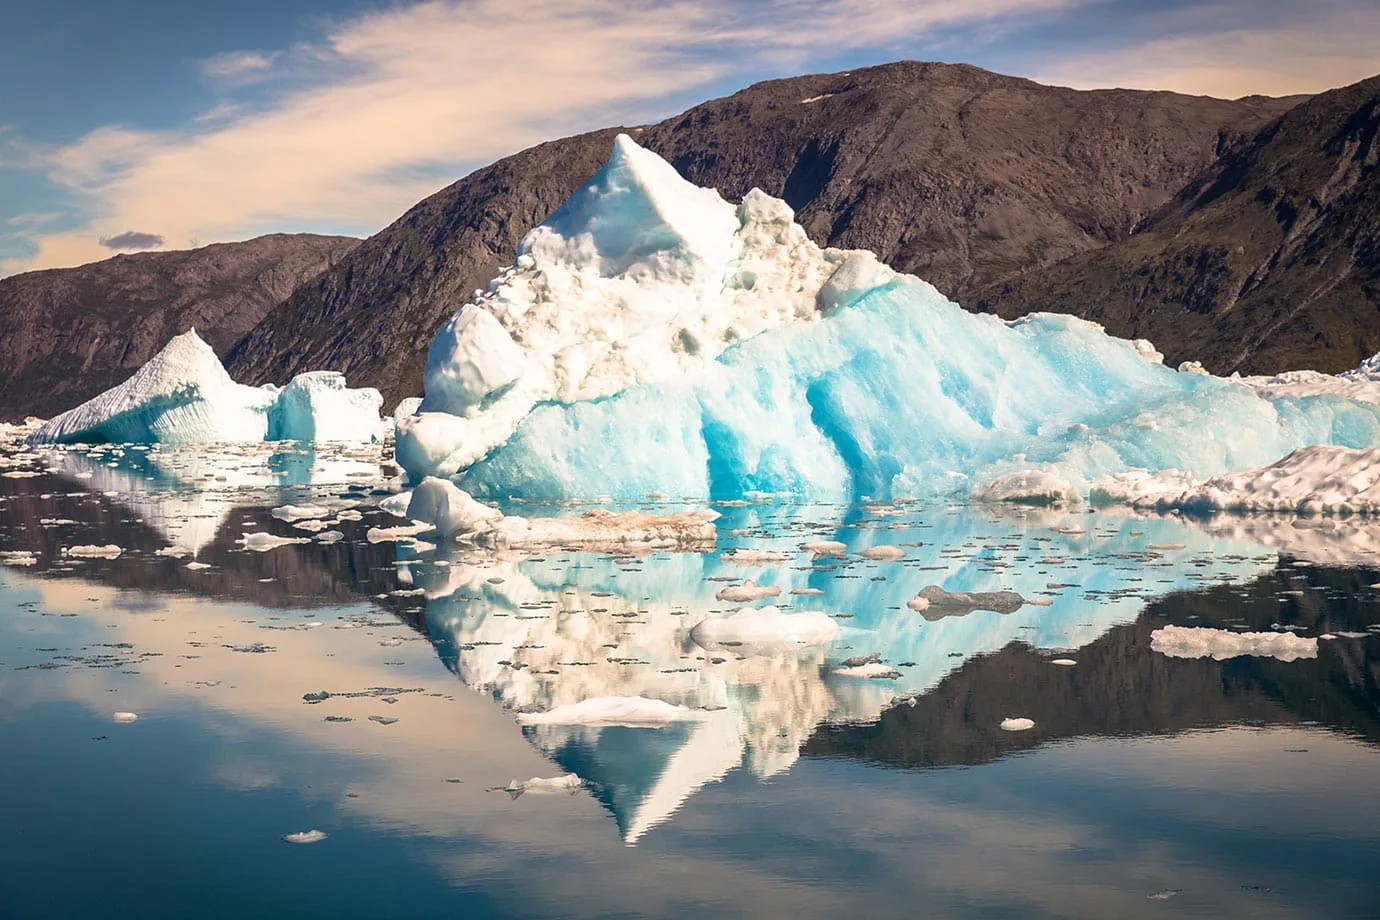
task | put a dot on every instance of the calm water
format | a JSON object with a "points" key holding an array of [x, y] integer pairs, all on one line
{"points": [[372, 691]]}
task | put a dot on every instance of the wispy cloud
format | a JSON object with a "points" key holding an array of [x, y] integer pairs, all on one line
{"points": [[239, 65]]}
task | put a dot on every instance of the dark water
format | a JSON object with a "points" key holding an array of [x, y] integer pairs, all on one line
{"points": [[373, 691]]}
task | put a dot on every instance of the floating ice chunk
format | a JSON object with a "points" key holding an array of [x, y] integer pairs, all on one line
{"points": [[261, 542], [1220, 644], [825, 548], [18, 557], [1039, 487], [402, 533], [765, 630], [311, 836], [872, 670], [569, 784], [175, 552], [1017, 724], [746, 593], [452, 510], [752, 557], [633, 711], [300, 512], [1063, 662], [934, 603], [311, 526], [807, 592], [124, 718], [318, 406], [197, 566], [627, 530], [109, 551], [883, 553]]}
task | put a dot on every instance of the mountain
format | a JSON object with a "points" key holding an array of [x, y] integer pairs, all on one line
{"points": [[1268, 260], [67, 334], [962, 176]]}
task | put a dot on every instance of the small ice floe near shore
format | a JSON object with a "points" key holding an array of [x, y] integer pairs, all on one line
{"points": [[820, 548], [124, 718], [1017, 724], [18, 557], [109, 551], [632, 711], [1220, 644], [311, 836]]}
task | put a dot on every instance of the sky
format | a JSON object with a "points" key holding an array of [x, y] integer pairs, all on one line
{"points": [[156, 124]]}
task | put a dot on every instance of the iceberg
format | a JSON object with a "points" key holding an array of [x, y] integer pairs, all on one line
{"points": [[318, 406], [651, 337], [184, 395]]}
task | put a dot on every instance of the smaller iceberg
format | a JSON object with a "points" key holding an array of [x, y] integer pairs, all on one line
{"points": [[184, 395]]}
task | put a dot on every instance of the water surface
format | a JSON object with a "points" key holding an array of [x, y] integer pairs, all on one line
{"points": [[372, 691]]}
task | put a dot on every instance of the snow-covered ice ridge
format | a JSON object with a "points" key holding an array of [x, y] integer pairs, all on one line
{"points": [[1310, 480], [184, 395], [652, 337]]}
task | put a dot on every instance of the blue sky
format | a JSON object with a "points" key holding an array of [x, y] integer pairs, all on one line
{"points": [[194, 123]]}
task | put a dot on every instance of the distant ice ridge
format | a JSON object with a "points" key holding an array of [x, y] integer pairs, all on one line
{"points": [[184, 395], [1310, 480], [651, 337]]}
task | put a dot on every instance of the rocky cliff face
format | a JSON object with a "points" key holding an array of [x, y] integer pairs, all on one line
{"points": [[68, 334], [1268, 260], [964, 177]]}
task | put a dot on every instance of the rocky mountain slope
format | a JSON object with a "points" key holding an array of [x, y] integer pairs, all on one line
{"points": [[962, 176], [67, 334], [1270, 259]]}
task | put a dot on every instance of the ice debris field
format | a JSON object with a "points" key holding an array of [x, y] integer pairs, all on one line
{"points": [[653, 339]]}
